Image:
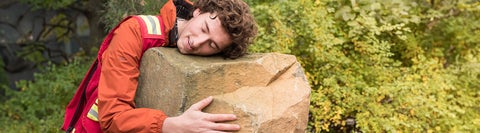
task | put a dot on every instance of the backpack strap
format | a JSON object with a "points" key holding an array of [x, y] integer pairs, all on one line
{"points": [[78, 111]]}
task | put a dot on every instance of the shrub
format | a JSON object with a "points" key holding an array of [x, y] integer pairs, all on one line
{"points": [[40, 104], [117, 10], [381, 66]]}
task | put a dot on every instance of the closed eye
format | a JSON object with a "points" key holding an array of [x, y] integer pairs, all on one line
{"points": [[212, 44], [206, 25]]}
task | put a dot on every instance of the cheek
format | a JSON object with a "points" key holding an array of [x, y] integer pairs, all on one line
{"points": [[187, 29], [194, 27]]}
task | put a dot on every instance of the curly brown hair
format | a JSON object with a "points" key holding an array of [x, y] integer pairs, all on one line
{"points": [[237, 20]]}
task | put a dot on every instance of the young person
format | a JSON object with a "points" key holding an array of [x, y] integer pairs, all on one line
{"points": [[208, 27]]}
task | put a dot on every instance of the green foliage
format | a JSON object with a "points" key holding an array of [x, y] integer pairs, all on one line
{"points": [[60, 28], [33, 52], [39, 105], [397, 65], [117, 10], [258, 2]]}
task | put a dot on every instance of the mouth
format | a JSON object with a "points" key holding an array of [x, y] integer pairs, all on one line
{"points": [[188, 44]]}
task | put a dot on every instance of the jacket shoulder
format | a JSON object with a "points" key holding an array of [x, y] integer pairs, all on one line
{"points": [[151, 25]]}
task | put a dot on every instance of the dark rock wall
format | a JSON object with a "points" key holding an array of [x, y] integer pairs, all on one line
{"points": [[21, 26]]}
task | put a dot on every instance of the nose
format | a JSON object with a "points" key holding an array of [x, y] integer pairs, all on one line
{"points": [[199, 41]]}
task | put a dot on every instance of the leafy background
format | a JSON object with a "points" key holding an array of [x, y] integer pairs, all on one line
{"points": [[373, 65]]}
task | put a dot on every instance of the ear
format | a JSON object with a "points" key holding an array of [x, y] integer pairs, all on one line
{"points": [[196, 12]]}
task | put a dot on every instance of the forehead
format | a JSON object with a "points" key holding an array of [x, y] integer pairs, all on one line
{"points": [[218, 33]]}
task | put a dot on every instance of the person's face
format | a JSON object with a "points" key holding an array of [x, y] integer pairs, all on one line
{"points": [[203, 35]]}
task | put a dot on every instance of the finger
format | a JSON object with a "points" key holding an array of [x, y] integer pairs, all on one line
{"points": [[220, 117], [202, 104], [225, 127], [217, 132]]}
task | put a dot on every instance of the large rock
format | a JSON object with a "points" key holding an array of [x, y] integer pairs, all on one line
{"points": [[267, 92]]}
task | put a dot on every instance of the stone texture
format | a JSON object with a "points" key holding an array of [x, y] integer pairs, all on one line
{"points": [[19, 25], [8, 35], [267, 92], [12, 13]]}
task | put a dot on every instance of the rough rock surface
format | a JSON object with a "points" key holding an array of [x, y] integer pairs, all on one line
{"points": [[268, 92]]}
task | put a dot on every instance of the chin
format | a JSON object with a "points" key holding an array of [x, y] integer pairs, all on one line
{"points": [[183, 52]]}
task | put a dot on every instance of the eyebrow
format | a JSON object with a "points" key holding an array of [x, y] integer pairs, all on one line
{"points": [[208, 30]]}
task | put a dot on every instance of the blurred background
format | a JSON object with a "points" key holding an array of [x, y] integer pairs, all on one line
{"points": [[373, 65]]}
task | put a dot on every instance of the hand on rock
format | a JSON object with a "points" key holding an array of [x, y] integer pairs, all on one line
{"points": [[195, 121]]}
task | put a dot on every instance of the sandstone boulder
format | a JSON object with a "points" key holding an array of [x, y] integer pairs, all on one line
{"points": [[268, 92]]}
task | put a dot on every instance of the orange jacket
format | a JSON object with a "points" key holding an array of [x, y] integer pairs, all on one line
{"points": [[119, 79], [106, 95]]}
